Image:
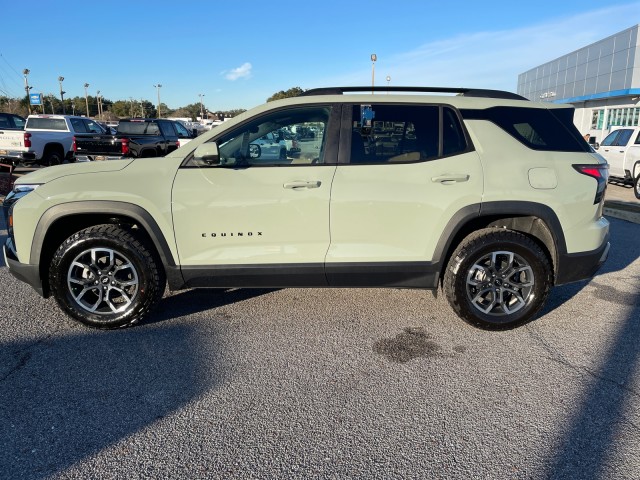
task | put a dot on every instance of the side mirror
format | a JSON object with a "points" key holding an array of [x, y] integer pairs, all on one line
{"points": [[254, 150], [596, 145], [207, 153]]}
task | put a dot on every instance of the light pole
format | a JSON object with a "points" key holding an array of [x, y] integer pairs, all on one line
{"points": [[98, 101], [374, 57], [201, 107], [26, 72], [158, 86], [60, 80], [86, 98], [388, 83]]}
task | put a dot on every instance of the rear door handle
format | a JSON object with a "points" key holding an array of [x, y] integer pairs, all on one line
{"points": [[448, 179], [303, 184]]}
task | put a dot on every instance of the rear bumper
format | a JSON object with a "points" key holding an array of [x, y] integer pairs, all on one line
{"points": [[16, 157], [581, 266], [96, 158]]}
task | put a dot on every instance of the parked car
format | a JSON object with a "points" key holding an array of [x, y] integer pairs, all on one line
{"points": [[484, 194], [48, 139], [135, 137], [11, 137], [185, 132], [621, 149]]}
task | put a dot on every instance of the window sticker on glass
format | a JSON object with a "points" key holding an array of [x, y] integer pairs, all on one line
{"points": [[366, 119]]}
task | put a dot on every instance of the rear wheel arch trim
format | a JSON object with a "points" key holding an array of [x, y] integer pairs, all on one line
{"points": [[136, 212], [502, 209]]}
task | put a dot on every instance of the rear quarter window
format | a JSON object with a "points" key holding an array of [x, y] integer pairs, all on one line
{"points": [[537, 128]]}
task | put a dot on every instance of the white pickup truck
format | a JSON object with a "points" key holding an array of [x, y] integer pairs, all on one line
{"points": [[11, 136], [621, 149], [47, 139]]}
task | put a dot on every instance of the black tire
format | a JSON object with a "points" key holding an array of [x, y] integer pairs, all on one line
{"points": [[52, 156], [106, 277], [636, 187], [283, 154], [497, 279]]}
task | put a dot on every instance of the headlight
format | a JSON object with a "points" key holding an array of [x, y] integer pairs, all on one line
{"points": [[25, 188], [16, 194]]}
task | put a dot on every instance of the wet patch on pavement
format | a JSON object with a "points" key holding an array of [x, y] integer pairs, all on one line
{"points": [[412, 343]]}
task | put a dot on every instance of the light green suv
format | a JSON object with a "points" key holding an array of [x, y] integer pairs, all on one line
{"points": [[493, 198]]}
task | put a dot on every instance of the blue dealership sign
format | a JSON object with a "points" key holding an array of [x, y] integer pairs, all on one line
{"points": [[35, 98]]}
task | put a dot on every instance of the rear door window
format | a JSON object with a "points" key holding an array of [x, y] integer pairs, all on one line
{"points": [[404, 133]]}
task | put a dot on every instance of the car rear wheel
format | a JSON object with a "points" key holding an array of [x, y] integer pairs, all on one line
{"points": [[52, 156], [497, 279], [106, 277], [636, 187]]}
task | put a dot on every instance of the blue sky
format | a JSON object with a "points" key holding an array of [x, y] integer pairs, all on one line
{"points": [[239, 53]]}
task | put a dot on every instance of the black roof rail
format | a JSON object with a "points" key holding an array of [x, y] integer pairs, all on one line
{"points": [[465, 92]]}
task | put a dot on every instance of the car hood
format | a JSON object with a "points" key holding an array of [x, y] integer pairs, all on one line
{"points": [[45, 175]]}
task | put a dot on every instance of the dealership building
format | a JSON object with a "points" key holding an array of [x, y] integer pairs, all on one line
{"points": [[602, 80]]}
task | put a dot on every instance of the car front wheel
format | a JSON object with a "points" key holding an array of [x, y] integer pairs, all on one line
{"points": [[497, 279], [106, 277]]}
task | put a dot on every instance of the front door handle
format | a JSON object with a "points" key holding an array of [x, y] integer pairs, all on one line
{"points": [[303, 184], [448, 179]]}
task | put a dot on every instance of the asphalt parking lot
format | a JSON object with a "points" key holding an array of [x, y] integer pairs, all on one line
{"points": [[323, 383]]}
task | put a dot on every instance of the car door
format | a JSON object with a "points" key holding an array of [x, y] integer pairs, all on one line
{"points": [[170, 142], [184, 136], [613, 148], [245, 221], [410, 169]]}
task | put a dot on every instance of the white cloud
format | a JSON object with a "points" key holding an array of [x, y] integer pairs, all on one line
{"points": [[243, 71], [494, 59]]}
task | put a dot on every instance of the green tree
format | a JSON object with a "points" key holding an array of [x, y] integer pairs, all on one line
{"points": [[165, 111], [14, 105], [292, 92]]}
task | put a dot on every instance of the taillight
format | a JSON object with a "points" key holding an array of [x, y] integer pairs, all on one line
{"points": [[27, 140], [598, 171], [74, 145], [125, 146]]}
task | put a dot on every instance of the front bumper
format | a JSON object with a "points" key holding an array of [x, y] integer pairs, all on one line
{"points": [[29, 274]]}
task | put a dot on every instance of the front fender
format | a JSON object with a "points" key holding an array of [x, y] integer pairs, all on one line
{"points": [[119, 209]]}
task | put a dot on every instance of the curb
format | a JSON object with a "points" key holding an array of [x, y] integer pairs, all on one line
{"points": [[622, 210]]}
